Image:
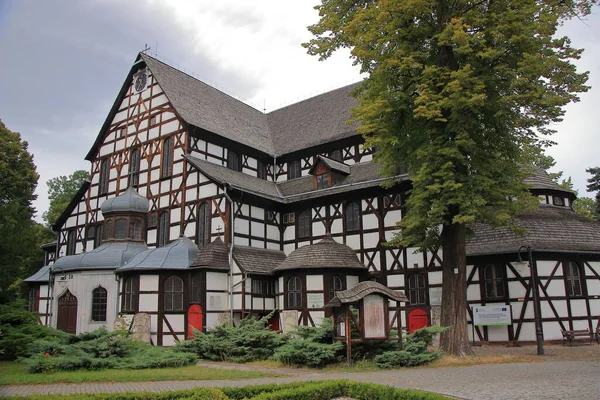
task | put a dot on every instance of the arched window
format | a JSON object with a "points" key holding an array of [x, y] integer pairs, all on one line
{"points": [[130, 294], [108, 229], [573, 279], [494, 281], [335, 284], [353, 216], [203, 227], [336, 155], [104, 175], [136, 229], [197, 287], [304, 224], [166, 168], [294, 292], [121, 228], [163, 229], [417, 293], [173, 294], [134, 167], [99, 302]]}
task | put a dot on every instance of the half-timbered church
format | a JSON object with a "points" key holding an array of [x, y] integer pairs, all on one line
{"points": [[202, 209]]}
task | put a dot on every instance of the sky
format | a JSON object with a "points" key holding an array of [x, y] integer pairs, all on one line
{"points": [[62, 63]]}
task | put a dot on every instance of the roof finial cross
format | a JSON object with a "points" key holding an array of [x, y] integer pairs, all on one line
{"points": [[219, 229]]}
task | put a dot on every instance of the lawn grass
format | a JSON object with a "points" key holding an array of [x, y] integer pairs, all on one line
{"points": [[12, 373]]}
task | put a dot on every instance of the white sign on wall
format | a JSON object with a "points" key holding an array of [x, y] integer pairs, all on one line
{"points": [[492, 315]]}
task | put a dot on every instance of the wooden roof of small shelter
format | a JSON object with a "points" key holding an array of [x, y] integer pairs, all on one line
{"points": [[363, 289]]}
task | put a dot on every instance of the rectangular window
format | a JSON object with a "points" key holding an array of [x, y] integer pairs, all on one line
{"points": [[304, 224], [493, 277], [163, 229], [234, 162], [294, 170], [322, 181], [353, 216], [71, 239], [134, 167], [261, 170], [289, 218], [264, 288], [573, 279]]}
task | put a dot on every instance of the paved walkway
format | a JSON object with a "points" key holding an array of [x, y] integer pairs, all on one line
{"points": [[564, 374]]}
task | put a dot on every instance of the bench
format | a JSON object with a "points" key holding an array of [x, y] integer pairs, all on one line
{"points": [[578, 334]]}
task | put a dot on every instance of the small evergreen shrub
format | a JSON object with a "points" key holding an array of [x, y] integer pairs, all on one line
{"points": [[101, 350], [251, 341], [414, 350], [19, 328], [312, 348]]}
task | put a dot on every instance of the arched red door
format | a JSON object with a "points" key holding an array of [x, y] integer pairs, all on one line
{"points": [[417, 319], [195, 317], [67, 313]]}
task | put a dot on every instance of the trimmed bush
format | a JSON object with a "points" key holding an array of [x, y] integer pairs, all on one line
{"points": [[251, 341], [414, 350], [19, 328], [101, 350]]}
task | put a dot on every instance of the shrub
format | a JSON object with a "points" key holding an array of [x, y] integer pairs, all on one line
{"points": [[19, 328], [101, 350], [414, 350], [251, 341]]}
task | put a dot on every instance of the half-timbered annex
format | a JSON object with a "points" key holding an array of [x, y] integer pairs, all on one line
{"points": [[202, 209]]}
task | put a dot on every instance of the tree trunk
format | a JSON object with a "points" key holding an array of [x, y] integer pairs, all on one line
{"points": [[454, 341]]}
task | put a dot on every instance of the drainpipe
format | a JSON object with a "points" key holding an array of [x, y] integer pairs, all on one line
{"points": [[230, 253], [50, 300]]}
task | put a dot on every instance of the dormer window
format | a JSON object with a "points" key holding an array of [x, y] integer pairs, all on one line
{"points": [[322, 181], [558, 201]]}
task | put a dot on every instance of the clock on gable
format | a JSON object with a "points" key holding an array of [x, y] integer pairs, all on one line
{"points": [[140, 81]]}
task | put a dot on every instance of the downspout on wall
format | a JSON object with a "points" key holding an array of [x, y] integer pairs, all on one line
{"points": [[231, 230]]}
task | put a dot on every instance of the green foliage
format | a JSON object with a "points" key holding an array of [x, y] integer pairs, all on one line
{"points": [[370, 391], [19, 328], [587, 207], [61, 191], [251, 341], [101, 350], [594, 186], [19, 244], [414, 350]]}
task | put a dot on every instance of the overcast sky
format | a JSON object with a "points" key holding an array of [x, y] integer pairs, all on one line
{"points": [[64, 61]]}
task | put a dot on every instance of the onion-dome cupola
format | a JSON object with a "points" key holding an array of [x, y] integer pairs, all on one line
{"points": [[125, 216]]}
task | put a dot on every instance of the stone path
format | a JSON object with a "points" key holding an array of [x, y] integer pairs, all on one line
{"points": [[564, 374]]}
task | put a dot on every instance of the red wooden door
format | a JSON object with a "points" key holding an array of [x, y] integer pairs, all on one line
{"points": [[274, 322], [195, 316], [67, 313], [417, 319]]}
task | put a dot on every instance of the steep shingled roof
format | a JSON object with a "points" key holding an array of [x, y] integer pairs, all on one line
{"points": [[325, 254], [214, 255], [549, 228], [540, 179], [257, 261], [364, 175]]}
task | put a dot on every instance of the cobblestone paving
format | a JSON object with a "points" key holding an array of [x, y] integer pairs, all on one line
{"points": [[564, 374]]}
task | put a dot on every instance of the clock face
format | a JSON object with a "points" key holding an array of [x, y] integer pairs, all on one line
{"points": [[140, 81]]}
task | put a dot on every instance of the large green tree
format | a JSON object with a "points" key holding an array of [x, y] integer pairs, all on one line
{"points": [[61, 191], [594, 185], [459, 93], [20, 236]]}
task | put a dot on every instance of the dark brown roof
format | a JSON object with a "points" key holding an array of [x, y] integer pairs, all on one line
{"points": [[213, 255], [257, 261], [363, 289], [325, 254], [540, 179], [364, 175], [549, 228], [320, 119]]}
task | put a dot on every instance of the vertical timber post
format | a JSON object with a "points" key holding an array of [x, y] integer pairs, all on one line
{"points": [[348, 337], [399, 319]]}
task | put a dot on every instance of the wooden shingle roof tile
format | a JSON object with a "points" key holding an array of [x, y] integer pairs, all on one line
{"points": [[325, 254], [257, 261]]}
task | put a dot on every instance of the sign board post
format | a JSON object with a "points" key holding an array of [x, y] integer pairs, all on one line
{"points": [[500, 315]]}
